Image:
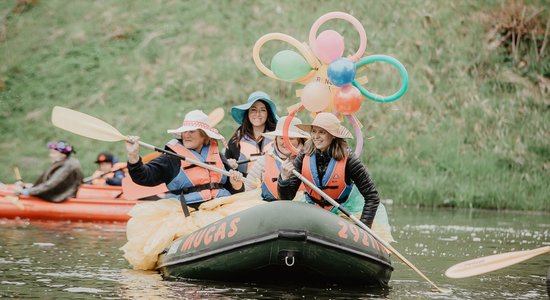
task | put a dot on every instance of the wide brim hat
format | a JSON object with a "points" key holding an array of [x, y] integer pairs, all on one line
{"points": [[293, 131], [330, 123], [194, 120], [238, 112]]}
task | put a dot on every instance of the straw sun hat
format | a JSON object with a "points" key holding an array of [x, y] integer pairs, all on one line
{"points": [[330, 123], [194, 120], [293, 131]]}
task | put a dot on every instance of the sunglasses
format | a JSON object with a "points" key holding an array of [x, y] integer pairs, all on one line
{"points": [[61, 147]]}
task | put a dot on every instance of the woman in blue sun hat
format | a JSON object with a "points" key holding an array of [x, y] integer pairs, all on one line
{"points": [[256, 116], [62, 178]]}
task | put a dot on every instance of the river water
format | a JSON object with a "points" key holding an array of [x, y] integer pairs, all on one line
{"points": [[56, 260]]}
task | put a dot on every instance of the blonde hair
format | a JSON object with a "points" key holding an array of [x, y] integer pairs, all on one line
{"points": [[338, 148]]}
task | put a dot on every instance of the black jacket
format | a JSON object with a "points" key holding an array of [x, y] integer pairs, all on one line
{"points": [[163, 169], [355, 172]]}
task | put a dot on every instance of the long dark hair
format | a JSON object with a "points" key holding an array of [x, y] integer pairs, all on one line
{"points": [[246, 127]]}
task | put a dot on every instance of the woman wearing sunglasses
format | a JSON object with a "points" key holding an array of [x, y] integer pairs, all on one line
{"points": [[62, 178]]}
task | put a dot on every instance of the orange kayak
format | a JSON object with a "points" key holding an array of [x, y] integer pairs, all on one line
{"points": [[89, 191], [106, 209]]}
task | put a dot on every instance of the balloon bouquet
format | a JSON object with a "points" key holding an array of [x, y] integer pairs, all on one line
{"points": [[330, 79]]}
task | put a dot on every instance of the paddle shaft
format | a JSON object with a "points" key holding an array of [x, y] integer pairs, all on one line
{"points": [[359, 223], [192, 161], [244, 161], [90, 178], [17, 174]]}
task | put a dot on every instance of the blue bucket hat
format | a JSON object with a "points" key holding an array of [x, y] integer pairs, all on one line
{"points": [[238, 112]]}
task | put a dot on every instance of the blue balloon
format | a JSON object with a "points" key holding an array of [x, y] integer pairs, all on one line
{"points": [[341, 71]]}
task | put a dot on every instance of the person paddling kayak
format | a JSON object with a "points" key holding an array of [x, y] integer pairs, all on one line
{"points": [[62, 178], [110, 171]]}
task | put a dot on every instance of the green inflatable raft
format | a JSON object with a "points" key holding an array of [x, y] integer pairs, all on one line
{"points": [[279, 241]]}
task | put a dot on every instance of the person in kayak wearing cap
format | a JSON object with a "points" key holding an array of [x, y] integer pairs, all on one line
{"points": [[256, 116], [62, 178], [327, 161], [194, 139], [110, 172], [266, 169]]}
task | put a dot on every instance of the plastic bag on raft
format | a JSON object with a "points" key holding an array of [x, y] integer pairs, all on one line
{"points": [[154, 225]]}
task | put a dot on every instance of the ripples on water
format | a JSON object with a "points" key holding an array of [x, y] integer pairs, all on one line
{"points": [[40, 259]]}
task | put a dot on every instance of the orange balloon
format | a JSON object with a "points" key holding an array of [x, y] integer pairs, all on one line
{"points": [[348, 100]]}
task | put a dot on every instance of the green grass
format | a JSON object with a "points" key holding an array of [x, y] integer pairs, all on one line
{"points": [[472, 130]]}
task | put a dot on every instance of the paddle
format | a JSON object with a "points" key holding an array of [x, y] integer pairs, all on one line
{"points": [[19, 182], [491, 263], [147, 158], [17, 175], [245, 161], [91, 178], [360, 224], [215, 116], [91, 127]]}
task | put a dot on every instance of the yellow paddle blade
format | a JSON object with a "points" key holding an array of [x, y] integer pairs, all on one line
{"points": [[85, 125], [492, 262], [215, 117]]}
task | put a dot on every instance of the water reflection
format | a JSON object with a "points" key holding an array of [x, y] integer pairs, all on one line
{"points": [[82, 260]]}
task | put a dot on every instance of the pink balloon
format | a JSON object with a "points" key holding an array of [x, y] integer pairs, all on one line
{"points": [[316, 96], [329, 46], [347, 17]]}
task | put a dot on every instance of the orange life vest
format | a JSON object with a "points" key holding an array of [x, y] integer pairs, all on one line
{"points": [[196, 183], [272, 169], [333, 182], [102, 180], [249, 149]]}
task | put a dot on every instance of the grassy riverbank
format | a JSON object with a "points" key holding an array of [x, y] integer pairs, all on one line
{"points": [[473, 130]]}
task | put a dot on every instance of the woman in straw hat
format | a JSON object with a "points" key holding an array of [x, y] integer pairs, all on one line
{"points": [[266, 169], [256, 116], [327, 162], [194, 139]]}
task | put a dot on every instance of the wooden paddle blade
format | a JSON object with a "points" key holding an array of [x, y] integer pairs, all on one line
{"points": [[216, 116], [493, 262], [132, 190], [85, 125]]}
